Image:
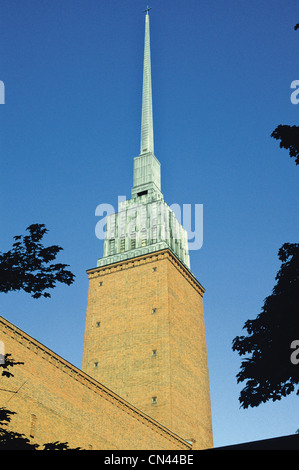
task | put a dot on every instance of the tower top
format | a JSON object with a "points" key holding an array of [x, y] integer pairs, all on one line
{"points": [[144, 224], [147, 10]]}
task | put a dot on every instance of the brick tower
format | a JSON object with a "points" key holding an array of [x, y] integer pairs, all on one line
{"points": [[144, 333]]}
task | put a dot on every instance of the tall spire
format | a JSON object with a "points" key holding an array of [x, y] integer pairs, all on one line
{"points": [[144, 223], [147, 133]]}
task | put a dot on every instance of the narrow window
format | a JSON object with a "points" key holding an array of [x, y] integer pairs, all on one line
{"points": [[100, 283], [154, 399], [96, 365], [112, 247], [143, 231], [122, 245], [32, 425], [98, 324], [154, 310], [154, 352], [154, 270]]}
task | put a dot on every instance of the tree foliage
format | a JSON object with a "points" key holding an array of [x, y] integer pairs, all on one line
{"points": [[6, 362], [269, 372], [10, 440], [289, 139], [28, 265]]}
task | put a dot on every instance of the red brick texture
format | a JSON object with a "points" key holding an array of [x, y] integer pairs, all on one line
{"points": [[145, 340], [55, 401]]}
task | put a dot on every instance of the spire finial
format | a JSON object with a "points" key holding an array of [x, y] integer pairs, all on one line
{"points": [[147, 137]]}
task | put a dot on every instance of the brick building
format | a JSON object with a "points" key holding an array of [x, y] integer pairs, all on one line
{"points": [[55, 401], [144, 382]]}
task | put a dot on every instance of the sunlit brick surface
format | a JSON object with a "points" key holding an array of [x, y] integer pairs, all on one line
{"points": [[55, 401], [135, 307]]}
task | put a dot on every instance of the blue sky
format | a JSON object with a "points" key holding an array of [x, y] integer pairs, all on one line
{"points": [[70, 128]]}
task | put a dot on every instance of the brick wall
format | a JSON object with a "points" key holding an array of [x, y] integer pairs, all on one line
{"points": [[55, 401], [145, 339]]}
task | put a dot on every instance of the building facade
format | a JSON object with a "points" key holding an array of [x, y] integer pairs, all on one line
{"points": [[144, 382], [144, 333], [55, 401]]}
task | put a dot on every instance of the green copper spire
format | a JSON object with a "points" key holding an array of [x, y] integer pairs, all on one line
{"points": [[147, 171], [145, 223], [147, 134]]}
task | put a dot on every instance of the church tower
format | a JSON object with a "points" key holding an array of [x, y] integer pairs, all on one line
{"points": [[144, 332]]}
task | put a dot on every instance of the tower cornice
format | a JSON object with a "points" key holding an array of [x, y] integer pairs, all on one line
{"points": [[145, 259]]}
